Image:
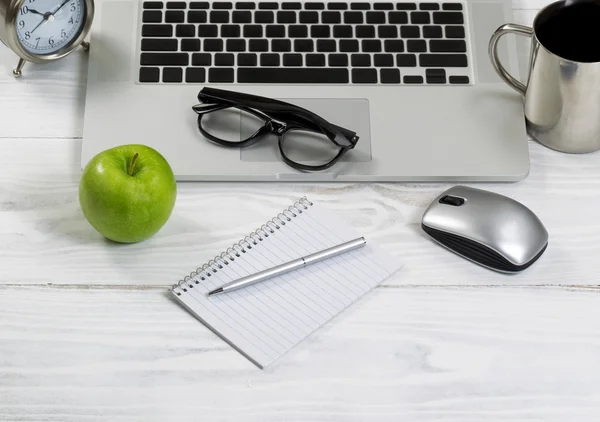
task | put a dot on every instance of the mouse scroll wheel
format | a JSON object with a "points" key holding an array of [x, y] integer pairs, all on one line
{"points": [[452, 200]]}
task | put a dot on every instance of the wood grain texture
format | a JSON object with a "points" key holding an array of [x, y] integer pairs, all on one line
{"points": [[418, 354]]}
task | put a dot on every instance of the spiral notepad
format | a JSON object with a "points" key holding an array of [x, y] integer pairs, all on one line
{"points": [[267, 319]]}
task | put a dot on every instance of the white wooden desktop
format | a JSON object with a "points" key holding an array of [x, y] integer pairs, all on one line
{"points": [[88, 330]]}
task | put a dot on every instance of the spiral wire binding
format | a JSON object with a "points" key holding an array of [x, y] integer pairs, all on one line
{"points": [[242, 246]]}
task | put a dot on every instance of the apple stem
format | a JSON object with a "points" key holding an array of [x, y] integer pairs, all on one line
{"points": [[132, 164]]}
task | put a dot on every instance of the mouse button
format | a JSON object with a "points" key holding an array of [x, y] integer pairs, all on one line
{"points": [[452, 200]]}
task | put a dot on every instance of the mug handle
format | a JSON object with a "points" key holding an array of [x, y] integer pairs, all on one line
{"points": [[493, 52]]}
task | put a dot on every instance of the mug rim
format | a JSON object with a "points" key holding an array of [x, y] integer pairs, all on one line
{"points": [[547, 9]]}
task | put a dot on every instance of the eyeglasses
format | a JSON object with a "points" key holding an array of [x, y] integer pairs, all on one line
{"points": [[237, 120]]}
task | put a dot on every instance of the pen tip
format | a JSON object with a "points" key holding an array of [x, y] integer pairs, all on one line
{"points": [[214, 292]]}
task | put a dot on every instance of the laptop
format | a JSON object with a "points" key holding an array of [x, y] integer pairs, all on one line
{"points": [[412, 79]]}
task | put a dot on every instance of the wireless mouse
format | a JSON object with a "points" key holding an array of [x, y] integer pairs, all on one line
{"points": [[487, 228]]}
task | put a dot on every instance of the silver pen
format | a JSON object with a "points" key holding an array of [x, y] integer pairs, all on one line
{"points": [[290, 266]]}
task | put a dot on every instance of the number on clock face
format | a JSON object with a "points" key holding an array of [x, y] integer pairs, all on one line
{"points": [[47, 26]]}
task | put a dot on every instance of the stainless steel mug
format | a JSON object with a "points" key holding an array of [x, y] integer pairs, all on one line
{"points": [[562, 94]]}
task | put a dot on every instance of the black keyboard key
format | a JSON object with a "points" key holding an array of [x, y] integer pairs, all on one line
{"points": [[224, 59], [360, 60], [153, 5], [297, 31], [348, 46], [365, 31], [207, 31], [149, 74], [389, 76], [371, 46], [411, 79], [220, 75], [315, 60], [196, 16], [176, 5], [259, 45], [338, 60], [360, 6], [430, 31], [416, 46], [342, 31], [159, 44], [407, 31], [253, 31], [220, 16], [236, 45], [364, 76], [337, 6], [275, 31], [393, 46], [286, 17], [195, 74], [458, 79], [245, 5], [281, 46], [419, 17], [201, 59], [314, 6], [269, 59], [320, 31], [303, 46], [326, 46], [157, 30], [383, 6], [241, 17], [247, 59], [375, 17], [398, 17], [452, 6], [230, 31], [455, 32], [447, 46], [406, 6], [435, 76], [185, 31], [383, 60], [429, 6], [292, 75], [268, 6], [190, 44], [264, 17], [443, 60], [387, 31], [406, 60], [222, 5], [448, 18], [309, 17], [291, 5], [152, 16], [331, 17], [164, 59], [353, 17], [199, 5], [211, 44], [174, 16], [292, 60]]}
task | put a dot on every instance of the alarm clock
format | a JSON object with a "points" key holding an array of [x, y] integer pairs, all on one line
{"points": [[41, 31]]}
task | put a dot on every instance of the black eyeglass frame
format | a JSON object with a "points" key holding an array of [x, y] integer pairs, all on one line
{"points": [[280, 118]]}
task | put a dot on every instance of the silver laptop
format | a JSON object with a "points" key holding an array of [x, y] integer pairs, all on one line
{"points": [[412, 79]]}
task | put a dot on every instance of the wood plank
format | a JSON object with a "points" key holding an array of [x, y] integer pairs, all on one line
{"points": [[443, 354]]}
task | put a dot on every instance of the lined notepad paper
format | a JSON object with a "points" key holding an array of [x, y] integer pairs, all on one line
{"points": [[267, 319]]}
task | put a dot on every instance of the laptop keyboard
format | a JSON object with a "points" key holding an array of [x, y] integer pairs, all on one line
{"points": [[303, 43]]}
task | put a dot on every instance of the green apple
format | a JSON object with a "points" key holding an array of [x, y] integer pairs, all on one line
{"points": [[127, 193]]}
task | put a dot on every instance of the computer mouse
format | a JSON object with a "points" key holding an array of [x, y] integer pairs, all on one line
{"points": [[490, 229]]}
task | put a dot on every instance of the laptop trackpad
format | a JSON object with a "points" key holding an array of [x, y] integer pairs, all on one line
{"points": [[352, 113]]}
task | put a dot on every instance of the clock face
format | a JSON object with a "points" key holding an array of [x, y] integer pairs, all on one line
{"points": [[47, 26]]}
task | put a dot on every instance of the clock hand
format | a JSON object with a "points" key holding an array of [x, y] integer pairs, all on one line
{"points": [[61, 6], [39, 24], [36, 12]]}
